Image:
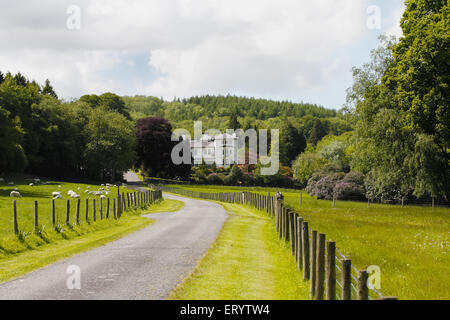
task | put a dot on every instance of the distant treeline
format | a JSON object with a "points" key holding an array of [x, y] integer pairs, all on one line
{"points": [[93, 137]]}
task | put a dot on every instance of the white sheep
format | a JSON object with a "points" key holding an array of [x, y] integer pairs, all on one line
{"points": [[31, 184], [58, 196], [59, 186], [15, 194], [70, 192], [56, 193], [86, 191], [74, 195], [102, 197]]}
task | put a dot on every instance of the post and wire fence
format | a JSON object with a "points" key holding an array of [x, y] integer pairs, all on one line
{"points": [[331, 274], [34, 217]]}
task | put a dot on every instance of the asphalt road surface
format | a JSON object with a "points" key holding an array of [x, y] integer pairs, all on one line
{"points": [[147, 264]]}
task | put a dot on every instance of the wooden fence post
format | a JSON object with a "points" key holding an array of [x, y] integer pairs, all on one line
{"points": [[16, 227], [68, 213], [299, 237], [94, 213], [363, 290], [87, 210], [305, 250], [101, 208], [292, 231], [78, 211], [114, 208], [107, 208], [36, 216], [320, 266], [346, 279], [313, 255], [53, 213], [330, 278]]}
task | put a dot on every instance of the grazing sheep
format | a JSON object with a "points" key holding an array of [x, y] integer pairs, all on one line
{"points": [[56, 193], [59, 187], [58, 196], [74, 195], [86, 191], [78, 188], [70, 192], [102, 197], [15, 194], [102, 185], [31, 184]]}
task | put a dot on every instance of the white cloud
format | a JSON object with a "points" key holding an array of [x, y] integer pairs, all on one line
{"points": [[280, 49]]}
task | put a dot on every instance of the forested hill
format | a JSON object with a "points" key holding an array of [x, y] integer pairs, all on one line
{"points": [[226, 112], [220, 106]]}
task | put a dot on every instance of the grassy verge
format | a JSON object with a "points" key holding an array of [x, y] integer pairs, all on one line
{"points": [[19, 256], [410, 244], [247, 261]]}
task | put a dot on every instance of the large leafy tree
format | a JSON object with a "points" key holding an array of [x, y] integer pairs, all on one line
{"points": [[48, 89], [154, 148], [420, 75], [110, 145], [292, 143], [12, 156]]}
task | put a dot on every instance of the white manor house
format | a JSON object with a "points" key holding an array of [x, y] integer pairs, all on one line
{"points": [[221, 149]]}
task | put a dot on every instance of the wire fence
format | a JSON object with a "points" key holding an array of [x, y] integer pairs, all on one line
{"points": [[33, 216], [330, 273]]}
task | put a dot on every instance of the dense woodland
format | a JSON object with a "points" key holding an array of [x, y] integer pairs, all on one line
{"points": [[390, 141]]}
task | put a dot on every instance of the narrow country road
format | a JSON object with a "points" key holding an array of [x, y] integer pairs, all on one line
{"points": [[147, 264]]}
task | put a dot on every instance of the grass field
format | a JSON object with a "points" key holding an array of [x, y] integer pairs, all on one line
{"points": [[410, 244], [247, 261], [30, 250], [43, 194]]}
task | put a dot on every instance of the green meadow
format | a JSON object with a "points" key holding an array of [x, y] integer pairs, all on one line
{"points": [[409, 244]]}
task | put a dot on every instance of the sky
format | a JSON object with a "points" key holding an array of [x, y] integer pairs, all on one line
{"points": [[293, 50]]}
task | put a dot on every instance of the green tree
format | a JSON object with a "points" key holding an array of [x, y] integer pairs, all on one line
{"points": [[48, 90], [12, 155], [292, 143], [110, 147], [420, 74], [318, 131]]}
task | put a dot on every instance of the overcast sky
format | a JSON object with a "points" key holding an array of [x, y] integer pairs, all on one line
{"points": [[294, 50]]}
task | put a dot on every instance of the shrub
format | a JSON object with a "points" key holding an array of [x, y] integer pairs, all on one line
{"points": [[348, 191], [214, 178]]}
